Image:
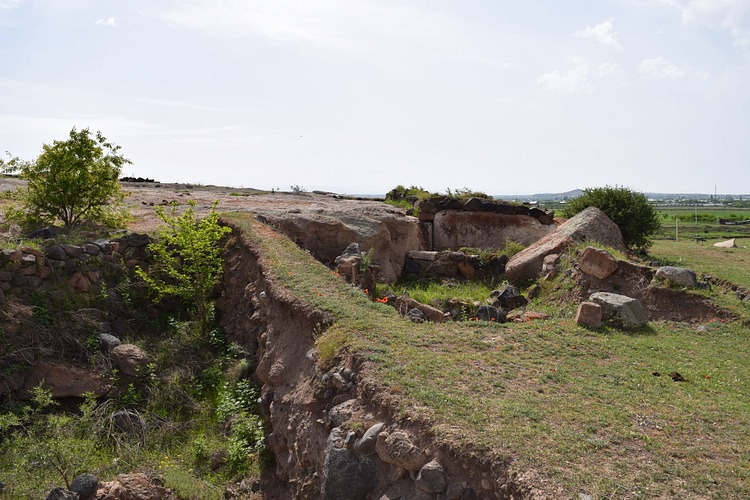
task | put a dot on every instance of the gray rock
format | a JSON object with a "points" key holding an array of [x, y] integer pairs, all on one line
{"points": [[347, 475], [490, 313], [621, 310], [431, 478], [397, 448], [341, 412], [107, 342], [85, 485], [366, 444], [104, 245], [324, 232], [677, 275], [55, 252]]}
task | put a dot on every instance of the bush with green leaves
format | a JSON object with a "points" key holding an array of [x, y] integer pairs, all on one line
{"points": [[187, 260], [71, 181], [637, 219]]}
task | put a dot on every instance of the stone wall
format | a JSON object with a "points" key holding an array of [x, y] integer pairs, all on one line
{"points": [[26, 269], [450, 223]]}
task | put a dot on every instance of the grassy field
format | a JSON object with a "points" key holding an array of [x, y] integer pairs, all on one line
{"points": [[732, 264], [597, 412], [702, 221]]}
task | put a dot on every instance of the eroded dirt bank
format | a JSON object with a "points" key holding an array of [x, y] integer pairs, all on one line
{"points": [[338, 433]]}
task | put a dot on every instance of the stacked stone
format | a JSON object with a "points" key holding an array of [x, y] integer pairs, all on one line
{"points": [[84, 265], [428, 208]]}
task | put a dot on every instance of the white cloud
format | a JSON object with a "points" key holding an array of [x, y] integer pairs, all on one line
{"points": [[573, 80], [658, 67], [110, 21], [730, 15], [339, 24], [9, 4], [609, 69], [602, 33]]}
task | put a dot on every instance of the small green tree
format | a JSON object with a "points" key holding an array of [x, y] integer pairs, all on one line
{"points": [[187, 259], [630, 210], [70, 181]]}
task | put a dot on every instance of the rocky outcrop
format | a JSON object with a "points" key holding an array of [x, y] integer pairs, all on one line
{"points": [[589, 225], [327, 232]]}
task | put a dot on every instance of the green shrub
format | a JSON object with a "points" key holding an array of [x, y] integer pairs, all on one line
{"points": [[631, 211], [70, 181], [188, 260]]}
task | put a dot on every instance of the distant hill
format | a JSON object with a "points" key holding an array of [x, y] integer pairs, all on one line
{"points": [[651, 196], [542, 196]]}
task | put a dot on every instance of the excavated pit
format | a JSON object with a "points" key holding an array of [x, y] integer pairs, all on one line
{"points": [[319, 418]]}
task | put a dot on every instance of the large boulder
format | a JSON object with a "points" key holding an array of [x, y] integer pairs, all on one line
{"points": [[326, 231], [621, 310], [129, 359], [589, 225]]}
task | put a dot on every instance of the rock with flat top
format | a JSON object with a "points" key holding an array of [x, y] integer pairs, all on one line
{"points": [[621, 310]]}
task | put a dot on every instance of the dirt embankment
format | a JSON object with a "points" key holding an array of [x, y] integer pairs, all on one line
{"points": [[335, 432]]}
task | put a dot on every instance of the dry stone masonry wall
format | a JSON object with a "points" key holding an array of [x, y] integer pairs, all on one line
{"points": [[25, 269]]}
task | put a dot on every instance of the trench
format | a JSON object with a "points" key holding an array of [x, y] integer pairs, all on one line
{"points": [[317, 452]]}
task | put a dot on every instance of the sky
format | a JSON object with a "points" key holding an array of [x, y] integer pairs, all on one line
{"points": [[358, 96]]}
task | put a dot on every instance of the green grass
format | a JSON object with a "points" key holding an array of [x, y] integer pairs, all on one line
{"points": [[582, 407], [731, 264], [707, 224]]}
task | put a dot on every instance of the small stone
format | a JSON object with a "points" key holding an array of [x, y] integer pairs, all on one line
{"points": [[366, 444], [589, 314]]}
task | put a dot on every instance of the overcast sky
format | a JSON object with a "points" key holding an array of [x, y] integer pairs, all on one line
{"points": [[358, 96]]}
